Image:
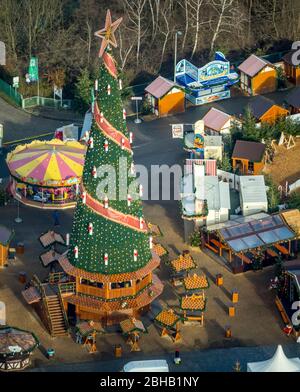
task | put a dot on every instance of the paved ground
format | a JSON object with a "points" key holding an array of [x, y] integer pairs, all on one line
{"points": [[257, 321], [213, 360]]}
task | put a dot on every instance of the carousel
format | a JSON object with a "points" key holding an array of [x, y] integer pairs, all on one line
{"points": [[46, 174], [16, 346]]}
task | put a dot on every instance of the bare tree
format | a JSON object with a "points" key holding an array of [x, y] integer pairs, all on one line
{"points": [[10, 18], [124, 50], [38, 17], [165, 26], [227, 18], [135, 11], [195, 7], [154, 6]]}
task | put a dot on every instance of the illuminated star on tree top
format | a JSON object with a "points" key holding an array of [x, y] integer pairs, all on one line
{"points": [[108, 33]]}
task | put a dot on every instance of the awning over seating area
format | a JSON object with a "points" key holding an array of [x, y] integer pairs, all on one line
{"points": [[256, 233]]}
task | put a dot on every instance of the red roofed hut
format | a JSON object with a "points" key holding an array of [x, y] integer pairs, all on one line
{"points": [[165, 97], [258, 76]]}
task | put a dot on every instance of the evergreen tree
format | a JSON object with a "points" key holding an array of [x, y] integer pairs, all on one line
{"points": [[83, 91], [109, 235], [250, 130], [226, 163]]}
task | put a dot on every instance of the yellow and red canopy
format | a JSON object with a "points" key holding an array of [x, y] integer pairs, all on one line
{"points": [[48, 163]]}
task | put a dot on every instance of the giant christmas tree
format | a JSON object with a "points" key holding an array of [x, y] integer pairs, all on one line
{"points": [[110, 254]]}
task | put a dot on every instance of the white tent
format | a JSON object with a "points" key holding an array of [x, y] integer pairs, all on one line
{"points": [[278, 363]]}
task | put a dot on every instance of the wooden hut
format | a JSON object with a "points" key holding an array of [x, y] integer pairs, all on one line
{"points": [[165, 97], [258, 76], [292, 70], [265, 110], [217, 122], [248, 157], [5, 238], [293, 101]]}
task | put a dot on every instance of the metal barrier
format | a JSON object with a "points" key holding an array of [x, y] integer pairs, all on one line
{"points": [[12, 93], [48, 102]]}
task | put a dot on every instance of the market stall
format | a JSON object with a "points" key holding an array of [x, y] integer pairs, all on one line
{"points": [[247, 241], [16, 345], [132, 328], [209, 83], [46, 174]]}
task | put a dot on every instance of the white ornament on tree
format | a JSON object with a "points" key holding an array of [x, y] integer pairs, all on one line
{"points": [[76, 252], [151, 242], [105, 259], [108, 89], [120, 84], [94, 172], [83, 196], [90, 229], [101, 117], [122, 143], [124, 114], [91, 142], [106, 145], [130, 137], [96, 84], [135, 255], [129, 199], [106, 202]]}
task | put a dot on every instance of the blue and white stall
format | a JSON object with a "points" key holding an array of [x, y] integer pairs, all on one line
{"points": [[209, 83]]}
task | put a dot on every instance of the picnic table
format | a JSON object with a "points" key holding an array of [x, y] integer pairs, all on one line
{"points": [[169, 321], [132, 328], [193, 307], [86, 332], [184, 262], [50, 238], [195, 282]]}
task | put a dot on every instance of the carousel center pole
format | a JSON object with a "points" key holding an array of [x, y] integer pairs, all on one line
{"points": [[18, 219]]}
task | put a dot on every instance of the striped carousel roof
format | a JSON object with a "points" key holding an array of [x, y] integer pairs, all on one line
{"points": [[47, 162]]}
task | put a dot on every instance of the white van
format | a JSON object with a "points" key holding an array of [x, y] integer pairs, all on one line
{"points": [[158, 365]]}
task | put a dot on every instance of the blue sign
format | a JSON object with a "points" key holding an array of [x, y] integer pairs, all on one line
{"points": [[208, 83]]}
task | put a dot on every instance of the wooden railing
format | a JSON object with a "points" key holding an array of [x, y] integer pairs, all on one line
{"points": [[68, 287], [143, 283], [62, 307], [122, 292], [91, 290], [39, 286], [56, 277]]}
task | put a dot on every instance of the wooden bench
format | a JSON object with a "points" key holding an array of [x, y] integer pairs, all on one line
{"points": [[244, 258], [211, 248], [281, 249], [271, 253], [219, 244]]}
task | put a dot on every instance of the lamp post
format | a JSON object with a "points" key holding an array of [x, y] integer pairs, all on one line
{"points": [[175, 53]]}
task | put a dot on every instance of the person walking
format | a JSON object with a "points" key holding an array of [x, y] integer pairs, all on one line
{"points": [[56, 218], [177, 359]]}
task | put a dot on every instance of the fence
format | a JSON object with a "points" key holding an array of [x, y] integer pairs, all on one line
{"points": [[9, 91], [48, 102]]}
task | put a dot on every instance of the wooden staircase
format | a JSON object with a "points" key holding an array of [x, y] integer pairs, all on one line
{"points": [[57, 318]]}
